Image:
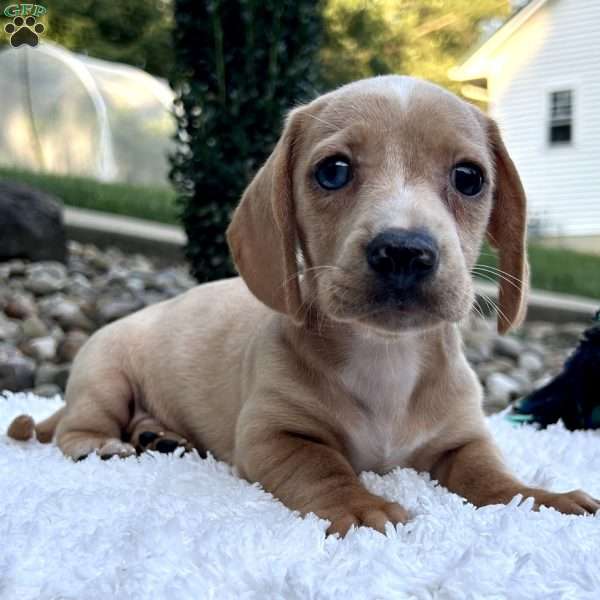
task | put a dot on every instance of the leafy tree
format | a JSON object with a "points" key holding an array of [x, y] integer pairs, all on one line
{"points": [[239, 66], [423, 38], [137, 32]]}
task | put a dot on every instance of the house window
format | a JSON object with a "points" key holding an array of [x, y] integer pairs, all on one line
{"points": [[561, 117]]}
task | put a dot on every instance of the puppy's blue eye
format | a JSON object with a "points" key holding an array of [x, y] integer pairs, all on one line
{"points": [[333, 173], [467, 178]]}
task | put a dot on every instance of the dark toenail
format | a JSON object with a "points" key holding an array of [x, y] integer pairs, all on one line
{"points": [[147, 437], [166, 446], [107, 456], [80, 458]]}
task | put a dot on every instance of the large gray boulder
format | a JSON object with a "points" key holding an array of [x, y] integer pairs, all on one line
{"points": [[31, 224]]}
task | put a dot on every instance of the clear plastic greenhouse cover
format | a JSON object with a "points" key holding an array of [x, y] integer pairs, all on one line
{"points": [[70, 114]]}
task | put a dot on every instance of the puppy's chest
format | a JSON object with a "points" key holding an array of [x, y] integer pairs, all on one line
{"points": [[381, 433]]}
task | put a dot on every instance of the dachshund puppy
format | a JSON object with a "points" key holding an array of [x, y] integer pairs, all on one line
{"points": [[338, 349]]}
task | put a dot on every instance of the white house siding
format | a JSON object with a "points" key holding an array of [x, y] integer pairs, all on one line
{"points": [[558, 48]]}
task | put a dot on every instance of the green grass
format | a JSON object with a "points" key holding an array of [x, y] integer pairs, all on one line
{"points": [[558, 270], [144, 202]]}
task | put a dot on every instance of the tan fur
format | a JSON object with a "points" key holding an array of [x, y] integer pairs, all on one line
{"points": [[292, 373], [23, 427], [507, 230]]}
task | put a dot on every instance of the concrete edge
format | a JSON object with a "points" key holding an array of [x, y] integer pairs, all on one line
{"points": [[547, 306], [128, 233], [167, 241]]}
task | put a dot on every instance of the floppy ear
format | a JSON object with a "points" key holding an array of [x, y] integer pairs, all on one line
{"points": [[507, 231], [262, 234]]}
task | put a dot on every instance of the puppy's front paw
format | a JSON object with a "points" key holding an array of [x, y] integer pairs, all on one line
{"points": [[114, 447], [161, 441], [576, 502], [372, 512]]}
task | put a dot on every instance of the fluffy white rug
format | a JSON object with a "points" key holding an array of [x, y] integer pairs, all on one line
{"points": [[167, 527]]}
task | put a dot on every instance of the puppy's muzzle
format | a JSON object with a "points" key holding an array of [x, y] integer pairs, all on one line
{"points": [[402, 259]]}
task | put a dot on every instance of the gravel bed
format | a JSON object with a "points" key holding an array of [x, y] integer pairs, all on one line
{"points": [[48, 311]]}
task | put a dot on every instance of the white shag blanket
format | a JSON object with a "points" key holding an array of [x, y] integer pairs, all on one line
{"points": [[163, 527]]}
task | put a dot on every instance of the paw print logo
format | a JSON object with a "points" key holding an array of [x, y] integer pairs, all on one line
{"points": [[24, 31]]}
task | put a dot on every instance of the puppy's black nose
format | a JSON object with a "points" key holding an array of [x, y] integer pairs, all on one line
{"points": [[404, 257]]}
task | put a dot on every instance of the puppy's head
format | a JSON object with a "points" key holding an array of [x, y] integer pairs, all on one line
{"points": [[386, 188]]}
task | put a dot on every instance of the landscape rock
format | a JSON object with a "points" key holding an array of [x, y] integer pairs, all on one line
{"points": [[57, 333], [538, 330], [523, 378], [47, 390], [96, 259], [152, 297], [501, 389], [51, 373], [538, 348], [80, 286], [20, 306], [71, 345], [31, 224], [45, 278], [542, 381], [41, 349], [33, 327], [111, 309], [570, 332], [478, 346], [12, 268], [17, 372], [9, 329], [508, 346], [70, 316], [530, 361], [496, 365]]}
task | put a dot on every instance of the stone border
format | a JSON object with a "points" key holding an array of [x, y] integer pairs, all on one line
{"points": [[548, 306], [167, 241], [127, 233]]}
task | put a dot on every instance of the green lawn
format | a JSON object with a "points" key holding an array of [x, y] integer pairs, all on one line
{"points": [[558, 270], [144, 202], [552, 269]]}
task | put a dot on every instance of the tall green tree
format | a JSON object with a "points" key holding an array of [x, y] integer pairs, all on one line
{"points": [[240, 65], [137, 32], [423, 38]]}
